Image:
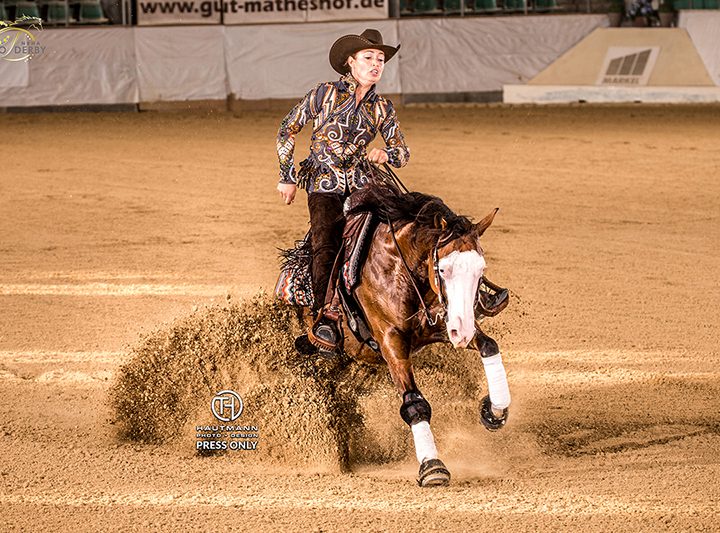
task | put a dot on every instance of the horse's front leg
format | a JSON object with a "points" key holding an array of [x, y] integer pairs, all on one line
{"points": [[415, 409], [494, 406]]}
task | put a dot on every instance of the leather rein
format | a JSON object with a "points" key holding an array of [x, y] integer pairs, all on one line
{"points": [[436, 283]]}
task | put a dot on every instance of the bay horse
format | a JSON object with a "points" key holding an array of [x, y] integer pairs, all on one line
{"points": [[421, 284]]}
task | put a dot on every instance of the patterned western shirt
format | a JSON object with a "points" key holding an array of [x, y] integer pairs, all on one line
{"points": [[342, 131]]}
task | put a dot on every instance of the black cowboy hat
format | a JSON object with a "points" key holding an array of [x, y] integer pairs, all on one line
{"points": [[347, 45]]}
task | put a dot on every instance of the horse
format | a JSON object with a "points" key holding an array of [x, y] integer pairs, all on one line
{"points": [[421, 284]]}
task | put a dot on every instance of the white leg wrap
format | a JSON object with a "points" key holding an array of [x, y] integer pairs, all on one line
{"points": [[424, 442], [497, 381]]}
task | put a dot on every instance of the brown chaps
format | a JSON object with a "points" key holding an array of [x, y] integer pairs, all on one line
{"points": [[326, 230]]}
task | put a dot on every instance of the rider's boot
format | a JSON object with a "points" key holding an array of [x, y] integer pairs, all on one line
{"points": [[325, 332]]}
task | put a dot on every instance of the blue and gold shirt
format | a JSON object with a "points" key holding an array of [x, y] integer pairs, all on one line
{"points": [[342, 131]]}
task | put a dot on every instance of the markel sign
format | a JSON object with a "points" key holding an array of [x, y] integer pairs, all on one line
{"points": [[628, 65]]}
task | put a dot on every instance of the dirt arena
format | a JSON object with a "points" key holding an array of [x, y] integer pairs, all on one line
{"points": [[113, 226]]}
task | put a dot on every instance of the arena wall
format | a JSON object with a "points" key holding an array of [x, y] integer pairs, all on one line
{"points": [[104, 66], [704, 30], [616, 65]]}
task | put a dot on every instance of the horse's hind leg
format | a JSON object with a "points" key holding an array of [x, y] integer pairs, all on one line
{"points": [[415, 411], [494, 406]]}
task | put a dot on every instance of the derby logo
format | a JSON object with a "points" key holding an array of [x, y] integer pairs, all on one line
{"points": [[226, 405], [18, 44]]}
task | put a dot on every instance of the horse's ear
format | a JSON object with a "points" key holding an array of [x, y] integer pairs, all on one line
{"points": [[480, 227], [440, 222]]}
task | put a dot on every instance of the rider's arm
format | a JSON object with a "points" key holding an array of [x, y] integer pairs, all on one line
{"points": [[397, 151], [291, 125]]}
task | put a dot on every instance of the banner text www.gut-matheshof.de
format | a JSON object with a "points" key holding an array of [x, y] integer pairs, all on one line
{"points": [[157, 12]]}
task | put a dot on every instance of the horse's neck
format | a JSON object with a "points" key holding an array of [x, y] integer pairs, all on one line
{"points": [[416, 247]]}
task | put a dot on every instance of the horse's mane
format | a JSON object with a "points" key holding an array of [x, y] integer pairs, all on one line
{"points": [[400, 208]]}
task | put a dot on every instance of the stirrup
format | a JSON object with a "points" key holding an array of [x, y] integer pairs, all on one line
{"points": [[491, 298], [324, 329]]}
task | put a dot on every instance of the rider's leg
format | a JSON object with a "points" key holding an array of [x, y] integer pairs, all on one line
{"points": [[326, 222], [326, 225]]}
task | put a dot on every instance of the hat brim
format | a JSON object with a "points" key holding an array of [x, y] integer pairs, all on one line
{"points": [[350, 44]]}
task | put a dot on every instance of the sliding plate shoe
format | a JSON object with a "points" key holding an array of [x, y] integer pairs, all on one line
{"points": [[491, 421], [433, 473]]}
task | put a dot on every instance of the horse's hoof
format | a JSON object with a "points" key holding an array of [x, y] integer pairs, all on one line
{"points": [[488, 418], [433, 473], [304, 346]]}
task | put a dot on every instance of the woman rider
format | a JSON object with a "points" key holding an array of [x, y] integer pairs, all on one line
{"points": [[347, 115]]}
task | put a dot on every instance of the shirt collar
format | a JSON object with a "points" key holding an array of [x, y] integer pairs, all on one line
{"points": [[352, 84]]}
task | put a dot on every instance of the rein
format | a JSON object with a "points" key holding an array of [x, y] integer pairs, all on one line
{"points": [[388, 177], [395, 179], [436, 283]]}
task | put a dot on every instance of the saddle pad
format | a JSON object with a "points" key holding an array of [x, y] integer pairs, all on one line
{"points": [[294, 285]]}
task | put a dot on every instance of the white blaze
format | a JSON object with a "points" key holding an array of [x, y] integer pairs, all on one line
{"points": [[461, 273]]}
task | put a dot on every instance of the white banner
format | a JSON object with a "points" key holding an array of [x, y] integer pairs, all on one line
{"points": [[704, 30], [286, 61], [177, 64], [13, 73], [78, 66], [481, 54], [158, 12], [265, 61]]}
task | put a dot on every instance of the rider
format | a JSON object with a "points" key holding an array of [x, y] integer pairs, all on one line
{"points": [[347, 115]]}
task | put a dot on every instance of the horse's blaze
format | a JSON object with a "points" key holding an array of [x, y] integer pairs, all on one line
{"points": [[461, 273]]}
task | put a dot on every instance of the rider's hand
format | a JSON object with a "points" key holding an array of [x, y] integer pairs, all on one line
{"points": [[287, 191], [378, 156]]}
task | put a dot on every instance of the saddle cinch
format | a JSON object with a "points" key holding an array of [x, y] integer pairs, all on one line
{"points": [[294, 285]]}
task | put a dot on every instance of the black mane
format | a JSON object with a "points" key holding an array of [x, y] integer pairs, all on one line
{"points": [[389, 203]]}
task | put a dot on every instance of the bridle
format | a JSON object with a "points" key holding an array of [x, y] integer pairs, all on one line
{"points": [[436, 282]]}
